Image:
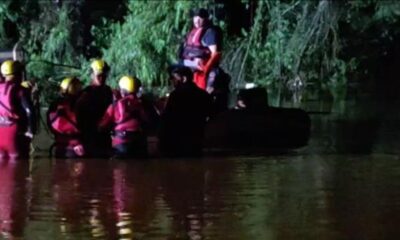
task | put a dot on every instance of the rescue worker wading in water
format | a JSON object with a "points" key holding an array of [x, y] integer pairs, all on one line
{"points": [[126, 117], [91, 106], [61, 119], [17, 118]]}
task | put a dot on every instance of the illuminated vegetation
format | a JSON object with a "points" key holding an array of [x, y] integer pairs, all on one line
{"points": [[323, 43]]}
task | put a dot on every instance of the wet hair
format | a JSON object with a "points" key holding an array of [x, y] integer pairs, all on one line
{"points": [[201, 12], [184, 72]]}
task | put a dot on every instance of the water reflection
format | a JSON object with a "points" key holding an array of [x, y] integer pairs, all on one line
{"points": [[135, 188], [270, 197], [183, 187], [344, 185], [14, 198], [83, 196], [351, 127]]}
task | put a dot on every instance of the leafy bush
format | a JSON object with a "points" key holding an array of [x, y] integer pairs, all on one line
{"points": [[320, 42]]}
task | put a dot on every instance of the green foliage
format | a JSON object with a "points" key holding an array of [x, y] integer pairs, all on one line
{"points": [[321, 42], [7, 15], [299, 40], [52, 38], [147, 41]]}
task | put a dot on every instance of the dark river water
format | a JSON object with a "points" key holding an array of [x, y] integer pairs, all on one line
{"points": [[344, 185]]}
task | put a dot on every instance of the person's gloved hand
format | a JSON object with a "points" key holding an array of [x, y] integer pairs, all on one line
{"points": [[29, 134], [79, 150]]}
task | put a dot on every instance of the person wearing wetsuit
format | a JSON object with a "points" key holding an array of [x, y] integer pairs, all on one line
{"points": [[62, 120], [17, 118], [91, 106], [185, 116], [126, 118]]}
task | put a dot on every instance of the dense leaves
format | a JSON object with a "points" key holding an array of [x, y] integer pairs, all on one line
{"points": [[324, 44]]}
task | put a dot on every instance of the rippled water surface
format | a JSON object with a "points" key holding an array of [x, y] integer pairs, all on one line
{"points": [[344, 185]]}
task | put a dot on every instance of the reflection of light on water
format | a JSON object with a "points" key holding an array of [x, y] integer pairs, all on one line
{"points": [[5, 227], [124, 225], [6, 192], [97, 227], [124, 219], [77, 169], [63, 226], [194, 227]]}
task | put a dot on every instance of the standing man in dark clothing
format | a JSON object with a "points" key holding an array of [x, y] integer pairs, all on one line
{"points": [[202, 53], [91, 107], [185, 116]]}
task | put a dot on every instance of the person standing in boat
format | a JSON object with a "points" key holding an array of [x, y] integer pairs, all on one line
{"points": [[127, 119], [61, 119], [91, 106], [185, 116], [17, 118], [202, 51]]}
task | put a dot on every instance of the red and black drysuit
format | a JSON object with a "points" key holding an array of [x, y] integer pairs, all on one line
{"points": [[62, 121], [16, 118], [126, 118]]}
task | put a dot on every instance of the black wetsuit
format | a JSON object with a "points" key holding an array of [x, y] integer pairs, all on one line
{"points": [[184, 120], [91, 107]]}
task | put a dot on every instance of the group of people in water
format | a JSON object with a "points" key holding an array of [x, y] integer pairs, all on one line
{"points": [[82, 119], [97, 121]]}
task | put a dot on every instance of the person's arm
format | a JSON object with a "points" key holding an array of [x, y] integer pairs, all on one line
{"points": [[107, 119], [28, 108], [212, 39], [181, 48], [212, 61], [51, 111], [116, 95]]}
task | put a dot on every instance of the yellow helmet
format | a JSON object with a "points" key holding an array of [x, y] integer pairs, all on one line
{"points": [[99, 66], [70, 86], [10, 67], [129, 84]]}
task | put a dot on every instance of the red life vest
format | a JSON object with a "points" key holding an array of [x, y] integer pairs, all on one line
{"points": [[63, 123], [8, 114], [193, 46], [128, 114]]}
